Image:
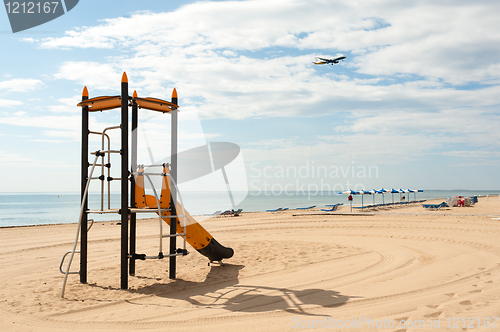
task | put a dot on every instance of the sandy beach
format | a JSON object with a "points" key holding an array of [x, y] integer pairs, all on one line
{"points": [[401, 269]]}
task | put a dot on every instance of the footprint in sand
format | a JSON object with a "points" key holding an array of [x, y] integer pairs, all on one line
{"points": [[475, 291], [488, 282], [433, 306], [465, 302], [433, 315], [450, 294]]}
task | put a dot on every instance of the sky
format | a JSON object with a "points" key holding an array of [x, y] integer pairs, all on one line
{"points": [[415, 104]]}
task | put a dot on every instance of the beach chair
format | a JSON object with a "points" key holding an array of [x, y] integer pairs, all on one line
{"points": [[435, 206], [335, 207], [225, 213], [275, 210], [306, 208], [237, 212]]}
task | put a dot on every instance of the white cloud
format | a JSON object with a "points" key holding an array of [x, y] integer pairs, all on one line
{"points": [[91, 74], [20, 85], [54, 122], [195, 49], [10, 103], [456, 42], [252, 59]]}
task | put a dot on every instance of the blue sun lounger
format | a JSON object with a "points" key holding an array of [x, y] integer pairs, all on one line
{"points": [[335, 207], [305, 208], [435, 206], [361, 207]]}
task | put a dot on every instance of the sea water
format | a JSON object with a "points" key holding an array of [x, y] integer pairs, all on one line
{"points": [[22, 209]]}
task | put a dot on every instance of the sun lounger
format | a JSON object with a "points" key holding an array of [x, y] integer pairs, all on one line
{"points": [[335, 207], [231, 213], [435, 206], [305, 208], [275, 210]]}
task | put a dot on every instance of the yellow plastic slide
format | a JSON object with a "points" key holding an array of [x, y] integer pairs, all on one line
{"points": [[197, 236]]}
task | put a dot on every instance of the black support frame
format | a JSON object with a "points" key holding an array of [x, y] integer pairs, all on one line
{"points": [[127, 235]]}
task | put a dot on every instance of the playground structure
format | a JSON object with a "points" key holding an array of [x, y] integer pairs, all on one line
{"points": [[135, 200]]}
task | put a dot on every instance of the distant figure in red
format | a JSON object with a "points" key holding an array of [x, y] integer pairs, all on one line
{"points": [[350, 197]]}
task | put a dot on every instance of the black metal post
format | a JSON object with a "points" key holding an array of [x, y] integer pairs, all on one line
{"points": [[173, 174], [124, 183], [133, 168], [84, 179]]}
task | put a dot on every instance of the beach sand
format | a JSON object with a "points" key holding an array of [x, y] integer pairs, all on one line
{"points": [[406, 268]]}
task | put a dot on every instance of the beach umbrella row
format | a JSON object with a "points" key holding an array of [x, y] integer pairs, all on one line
{"points": [[381, 191]]}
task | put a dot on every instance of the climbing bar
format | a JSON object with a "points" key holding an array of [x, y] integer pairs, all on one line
{"points": [[147, 173], [153, 210], [107, 151], [163, 256], [102, 211], [177, 234], [161, 165]]}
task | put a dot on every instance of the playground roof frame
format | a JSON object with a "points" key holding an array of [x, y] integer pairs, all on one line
{"points": [[105, 103]]}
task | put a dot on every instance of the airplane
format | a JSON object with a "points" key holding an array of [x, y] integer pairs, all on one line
{"points": [[329, 60]]}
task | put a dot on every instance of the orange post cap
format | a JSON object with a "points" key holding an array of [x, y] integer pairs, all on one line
{"points": [[85, 92], [134, 94], [174, 93], [124, 78]]}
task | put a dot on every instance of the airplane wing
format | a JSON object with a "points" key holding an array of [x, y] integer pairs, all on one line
{"points": [[323, 59]]}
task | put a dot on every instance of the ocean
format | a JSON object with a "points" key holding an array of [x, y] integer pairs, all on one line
{"points": [[23, 209]]}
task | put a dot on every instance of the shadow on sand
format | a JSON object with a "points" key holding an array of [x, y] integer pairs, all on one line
{"points": [[221, 289]]}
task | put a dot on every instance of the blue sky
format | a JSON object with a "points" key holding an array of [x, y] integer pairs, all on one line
{"points": [[417, 98]]}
